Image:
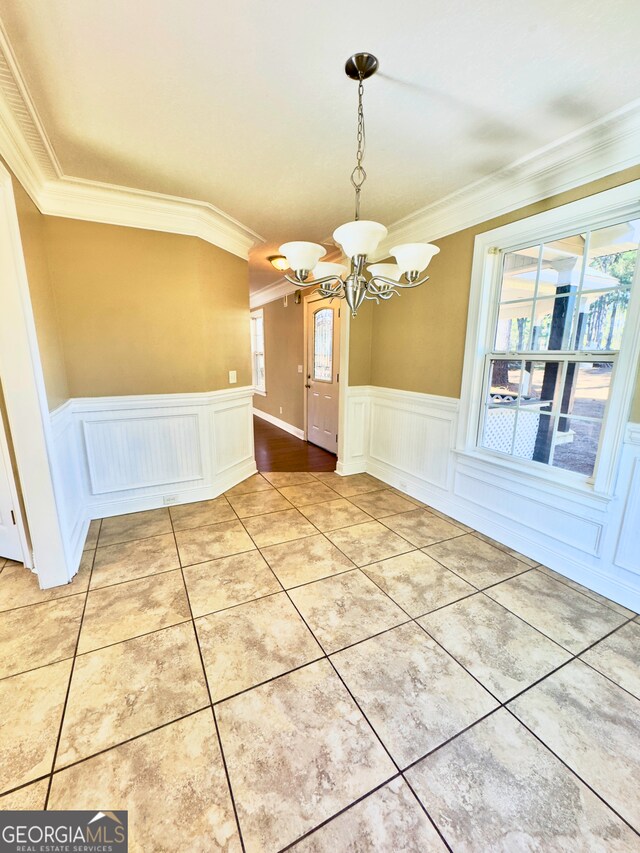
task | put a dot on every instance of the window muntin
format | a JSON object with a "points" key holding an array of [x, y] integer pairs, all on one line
{"points": [[559, 323], [257, 351], [323, 345]]}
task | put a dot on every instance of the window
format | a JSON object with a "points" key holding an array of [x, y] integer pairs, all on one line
{"points": [[323, 345], [553, 345], [257, 351]]}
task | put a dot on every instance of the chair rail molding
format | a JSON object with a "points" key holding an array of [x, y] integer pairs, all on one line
{"points": [[408, 440], [125, 454]]}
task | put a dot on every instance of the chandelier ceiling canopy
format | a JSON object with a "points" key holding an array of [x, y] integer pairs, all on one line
{"points": [[358, 239]]}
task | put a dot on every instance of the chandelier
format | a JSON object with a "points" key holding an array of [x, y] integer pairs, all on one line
{"points": [[359, 239]]}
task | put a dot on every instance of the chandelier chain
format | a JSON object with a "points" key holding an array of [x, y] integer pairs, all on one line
{"points": [[359, 176]]}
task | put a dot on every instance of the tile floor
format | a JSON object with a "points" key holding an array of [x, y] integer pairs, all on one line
{"points": [[321, 663]]}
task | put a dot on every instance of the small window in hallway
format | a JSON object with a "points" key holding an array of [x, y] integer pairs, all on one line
{"points": [[257, 350], [323, 345]]}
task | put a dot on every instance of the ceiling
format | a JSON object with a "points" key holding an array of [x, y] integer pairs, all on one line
{"points": [[245, 105]]}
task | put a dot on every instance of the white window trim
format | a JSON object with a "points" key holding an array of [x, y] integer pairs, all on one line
{"points": [[259, 312], [594, 211]]}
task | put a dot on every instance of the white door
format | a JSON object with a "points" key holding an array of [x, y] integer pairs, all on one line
{"points": [[323, 364], [10, 545]]}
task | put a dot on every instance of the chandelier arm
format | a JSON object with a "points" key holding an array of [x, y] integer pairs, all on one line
{"points": [[389, 281], [318, 282]]}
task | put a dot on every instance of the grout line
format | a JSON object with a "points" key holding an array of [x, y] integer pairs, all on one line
{"points": [[206, 682], [68, 691], [21, 786]]}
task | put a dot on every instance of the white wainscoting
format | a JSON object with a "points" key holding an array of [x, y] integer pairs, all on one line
{"points": [[408, 440], [115, 455]]}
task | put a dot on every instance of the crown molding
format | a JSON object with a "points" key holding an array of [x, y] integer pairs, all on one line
{"points": [[270, 293], [602, 148], [29, 154]]}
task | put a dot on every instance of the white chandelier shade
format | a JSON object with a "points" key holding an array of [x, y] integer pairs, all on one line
{"points": [[359, 239], [301, 255], [414, 256]]}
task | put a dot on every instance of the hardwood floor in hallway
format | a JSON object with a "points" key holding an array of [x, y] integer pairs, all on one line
{"points": [[277, 450]]}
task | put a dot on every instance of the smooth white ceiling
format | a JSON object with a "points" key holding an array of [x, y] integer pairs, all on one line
{"points": [[245, 104]]}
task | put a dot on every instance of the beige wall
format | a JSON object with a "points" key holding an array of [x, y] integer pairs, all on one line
{"points": [[284, 351], [145, 312], [45, 310]]}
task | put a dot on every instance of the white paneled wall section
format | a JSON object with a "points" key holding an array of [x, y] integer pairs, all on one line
{"points": [[408, 440], [116, 455]]}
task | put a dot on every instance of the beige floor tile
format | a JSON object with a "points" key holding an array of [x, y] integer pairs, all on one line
{"points": [[308, 493], [421, 528], [369, 542], [19, 586], [448, 518], [298, 750], [334, 514], [201, 513], [383, 503], [417, 583], [278, 527], [566, 616], [210, 543], [92, 535], [588, 592], [412, 692], [124, 690], [477, 562], [355, 484], [592, 725], [305, 560], [526, 560], [618, 657], [131, 560], [390, 819], [288, 478], [228, 581], [345, 609], [172, 783], [252, 643], [258, 503], [29, 798], [496, 788], [135, 525], [255, 483], [39, 634], [500, 650], [30, 712], [127, 610]]}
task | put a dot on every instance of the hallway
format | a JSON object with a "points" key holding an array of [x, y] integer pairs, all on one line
{"points": [[277, 450]]}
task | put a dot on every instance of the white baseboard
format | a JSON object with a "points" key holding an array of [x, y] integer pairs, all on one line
{"points": [[407, 440], [116, 455], [292, 430]]}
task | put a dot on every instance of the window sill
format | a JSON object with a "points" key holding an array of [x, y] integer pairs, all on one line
{"points": [[557, 482], [258, 391]]}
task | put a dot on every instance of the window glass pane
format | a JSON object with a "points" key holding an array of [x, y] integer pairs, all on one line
{"points": [[541, 385], [498, 428], [504, 381], [323, 345], [577, 445], [533, 435], [519, 274], [258, 379], [586, 389], [601, 319], [612, 260], [552, 323], [514, 322]]}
